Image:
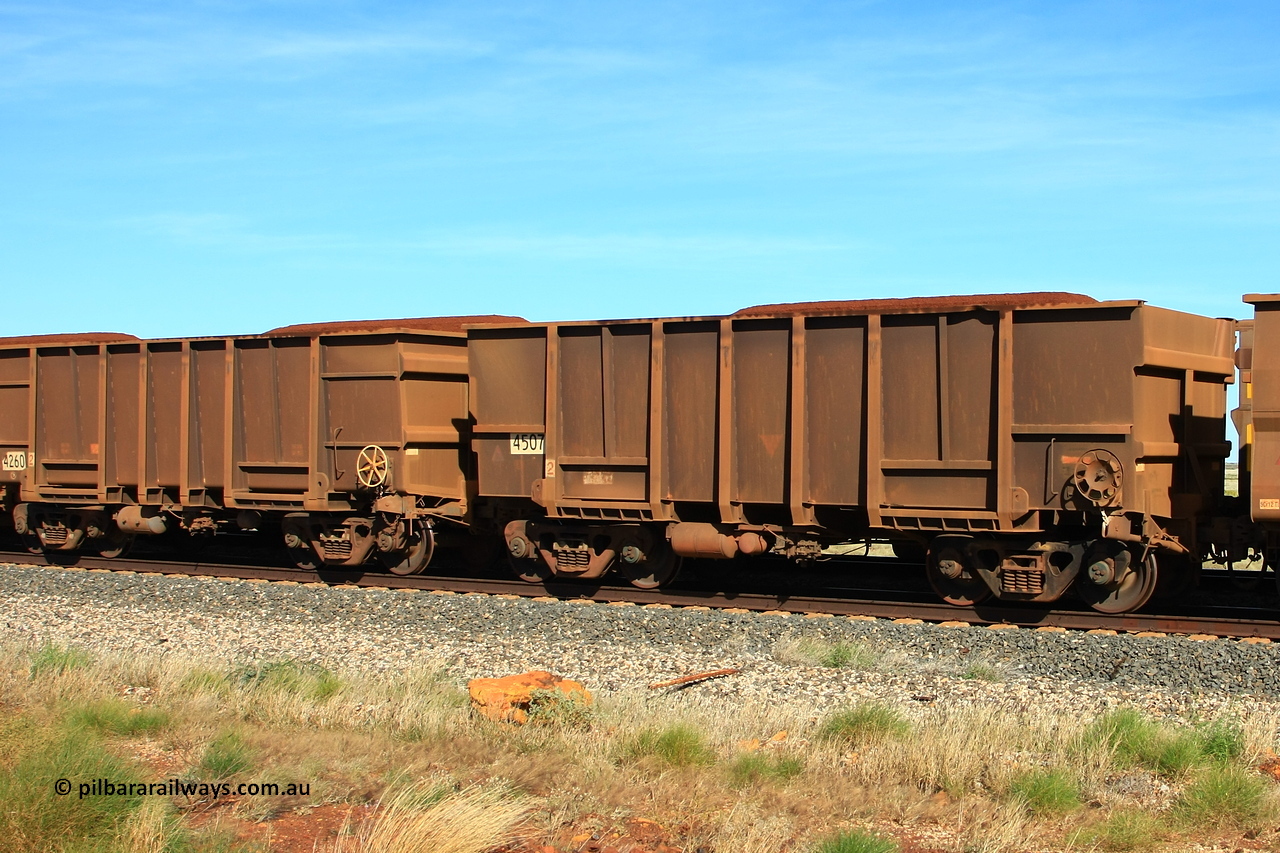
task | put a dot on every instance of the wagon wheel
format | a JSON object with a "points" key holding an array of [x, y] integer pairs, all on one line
{"points": [[1127, 583], [304, 558], [117, 545], [413, 559], [953, 578], [529, 571], [372, 467], [657, 569]]}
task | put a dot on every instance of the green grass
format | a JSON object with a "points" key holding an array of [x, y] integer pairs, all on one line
{"points": [[844, 655], [113, 716], [53, 659], [978, 671], [559, 709], [308, 680], [200, 680], [36, 819], [752, 768], [679, 745], [856, 842], [1137, 740], [841, 654], [1224, 795], [1221, 741], [864, 724], [1045, 792], [226, 755], [1123, 831]]}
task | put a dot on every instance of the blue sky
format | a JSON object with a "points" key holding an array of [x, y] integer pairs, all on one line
{"points": [[218, 168]]}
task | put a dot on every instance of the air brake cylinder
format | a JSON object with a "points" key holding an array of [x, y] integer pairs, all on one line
{"points": [[134, 519], [697, 539]]}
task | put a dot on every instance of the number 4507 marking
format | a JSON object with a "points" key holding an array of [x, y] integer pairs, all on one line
{"points": [[526, 443]]}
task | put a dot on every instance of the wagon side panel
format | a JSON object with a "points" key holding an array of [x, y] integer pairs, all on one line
{"points": [[207, 421], [1073, 392], [359, 406], [68, 424], [760, 430], [1263, 388], [164, 437], [508, 370], [938, 418], [834, 407], [15, 415], [690, 389], [436, 426], [598, 434], [271, 418]]}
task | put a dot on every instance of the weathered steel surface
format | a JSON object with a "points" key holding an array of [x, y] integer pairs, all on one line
{"points": [[1260, 412], [272, 422], [955, 414], [919, 304], [413, 324]]}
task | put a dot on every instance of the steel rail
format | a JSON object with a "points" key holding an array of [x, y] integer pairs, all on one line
{"points": [[926, 611]]}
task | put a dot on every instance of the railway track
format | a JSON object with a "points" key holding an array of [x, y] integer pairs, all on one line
{"points": [[1219, 622]]}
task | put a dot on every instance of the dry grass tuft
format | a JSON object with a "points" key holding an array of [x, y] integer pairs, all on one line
{"points": [[152, 828], [427, 819], [746, 827], [813, 651]]}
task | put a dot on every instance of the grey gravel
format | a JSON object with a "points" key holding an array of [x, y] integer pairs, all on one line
{"points": [[619, 648]]}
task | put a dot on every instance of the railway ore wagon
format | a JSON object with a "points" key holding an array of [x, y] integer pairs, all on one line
{"points": [[351, 438], [1258, 420], [18, 419], [1022, 442]]}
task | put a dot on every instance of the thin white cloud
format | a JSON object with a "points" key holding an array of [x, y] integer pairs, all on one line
{"points": [[240, 234], [384, 45]]}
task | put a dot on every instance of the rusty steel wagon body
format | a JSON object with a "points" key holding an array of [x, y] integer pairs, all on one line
{"points": [[1258, 422], [1024, 444], [1023, 441], [351, 437]]}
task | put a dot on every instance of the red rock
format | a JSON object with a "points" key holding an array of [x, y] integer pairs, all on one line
{"points": [[507, 699]]}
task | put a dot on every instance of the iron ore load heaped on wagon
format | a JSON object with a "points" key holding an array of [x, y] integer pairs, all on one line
{"points": [[350, 439], [1025, 442]]}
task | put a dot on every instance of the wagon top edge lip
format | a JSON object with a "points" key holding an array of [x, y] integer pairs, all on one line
{"points": [[1260, 298], [865, 307], [449, 327]]}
